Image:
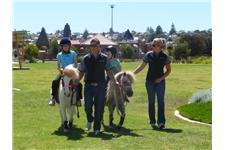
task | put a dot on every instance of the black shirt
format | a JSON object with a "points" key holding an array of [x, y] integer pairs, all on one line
{"points": [[156, 64], [94, 68]]}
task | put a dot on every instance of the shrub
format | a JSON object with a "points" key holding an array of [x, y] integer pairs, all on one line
{"points": [[31, 52], [181, 51], [127, 51], [202, 60], [54, 48], [201, 96]]}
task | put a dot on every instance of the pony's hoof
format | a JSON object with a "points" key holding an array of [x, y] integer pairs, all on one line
{"points": [[65, 127], [65, 130], [70, 125]]}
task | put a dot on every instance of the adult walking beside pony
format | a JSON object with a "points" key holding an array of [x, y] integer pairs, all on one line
{"points": [[155, 80], [93, 66]]}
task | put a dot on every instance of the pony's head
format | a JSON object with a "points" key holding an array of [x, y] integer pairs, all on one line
{"points": [[70, 75], [126, 79]]}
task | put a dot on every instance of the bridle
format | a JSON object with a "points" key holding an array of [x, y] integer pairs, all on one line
{"points": [[124, 87], [72, 89], [70, 86]]}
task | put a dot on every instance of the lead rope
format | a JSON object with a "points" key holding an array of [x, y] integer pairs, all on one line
{"points": [[78, 113]]}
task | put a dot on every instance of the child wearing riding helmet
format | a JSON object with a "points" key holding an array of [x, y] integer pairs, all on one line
{"points": [[111, 52], [64, 58], [155, 80]]}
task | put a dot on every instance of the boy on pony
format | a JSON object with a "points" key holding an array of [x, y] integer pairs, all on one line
{"points": [[115, 63], [111, 52], [64, 58]]}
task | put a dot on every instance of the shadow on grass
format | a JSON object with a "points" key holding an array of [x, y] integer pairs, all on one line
{"points": [[102, 135], [73, 134], [108, 134], [121, 132], [169, 130]]}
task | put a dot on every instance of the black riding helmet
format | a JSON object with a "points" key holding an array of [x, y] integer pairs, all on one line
{"points": [[112, 49], [65, 41]]}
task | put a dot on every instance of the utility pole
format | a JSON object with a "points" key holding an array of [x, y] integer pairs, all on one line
{"points": [[112, 6]]}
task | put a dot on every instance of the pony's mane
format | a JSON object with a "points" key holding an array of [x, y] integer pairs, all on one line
{"points": [[71, 72], [129, 74]]}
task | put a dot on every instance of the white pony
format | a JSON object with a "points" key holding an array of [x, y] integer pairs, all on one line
{"points": [[67, 96], [116, 97]]}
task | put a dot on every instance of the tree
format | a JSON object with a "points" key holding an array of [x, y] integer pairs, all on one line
{"points": [[42, 39], [150, 37], [111, 31], [85, 34], [67, 31], [31, 52], [127, 51], [57, 33], [172, 30], [181, 50], [120, 37], [54, 47], [196, 42], [128, 35], [159, 30], [150, 30]]}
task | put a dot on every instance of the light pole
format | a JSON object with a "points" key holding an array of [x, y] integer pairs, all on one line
{"points": [[112, 6]]}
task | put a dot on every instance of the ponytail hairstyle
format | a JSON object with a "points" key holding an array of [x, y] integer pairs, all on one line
{"points": [[161, 42]]}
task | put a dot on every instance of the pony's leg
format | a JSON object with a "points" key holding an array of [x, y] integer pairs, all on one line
{"points": [[71, 113], [61, 115], [65, 122], [122, 117], [111, 110]]}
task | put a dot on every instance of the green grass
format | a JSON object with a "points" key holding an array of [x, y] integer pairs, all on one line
{"points": [[35, 124], [197, 111], [202, 60]]}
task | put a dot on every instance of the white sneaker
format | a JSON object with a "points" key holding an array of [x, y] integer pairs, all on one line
{"points": [[52, 102], [153, 126], [161, 126], [88, 126]]}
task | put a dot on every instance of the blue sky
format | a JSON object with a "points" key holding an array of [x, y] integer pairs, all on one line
{"points": [[186, 15]]}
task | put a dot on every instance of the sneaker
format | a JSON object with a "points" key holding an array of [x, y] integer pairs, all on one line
{"points": [[161, 126], [88, 126], [52, 102], [96, 132], [153, 126]]}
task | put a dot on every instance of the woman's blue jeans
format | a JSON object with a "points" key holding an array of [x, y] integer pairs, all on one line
{"points": [[159, 91]]}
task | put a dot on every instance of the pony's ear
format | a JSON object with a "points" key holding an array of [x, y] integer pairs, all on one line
{"points": [[118, 76], [124, 74]]}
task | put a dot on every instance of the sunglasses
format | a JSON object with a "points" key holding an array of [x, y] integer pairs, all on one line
{"points": [[155, 45], [94, 46]]}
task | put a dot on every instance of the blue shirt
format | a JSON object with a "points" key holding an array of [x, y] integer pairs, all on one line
{"points": [[66, 59]]}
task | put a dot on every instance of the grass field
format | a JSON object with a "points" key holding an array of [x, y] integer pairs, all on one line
{"points": [[197, 111], [35, 124]]}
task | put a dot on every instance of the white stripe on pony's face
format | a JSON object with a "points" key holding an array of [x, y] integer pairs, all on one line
{"points": [[67, 86]]}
